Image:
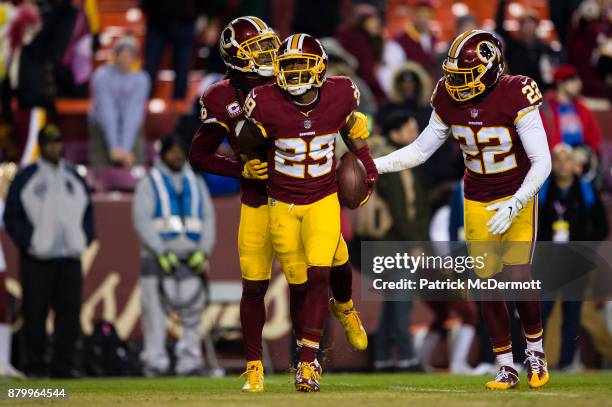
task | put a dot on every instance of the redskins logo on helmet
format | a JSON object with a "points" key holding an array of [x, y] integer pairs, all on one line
{"points": [[474, 63], [249, 45], [300, 64]]}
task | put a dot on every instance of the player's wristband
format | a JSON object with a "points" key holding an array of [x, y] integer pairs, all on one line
{"points": [[365, 157]]}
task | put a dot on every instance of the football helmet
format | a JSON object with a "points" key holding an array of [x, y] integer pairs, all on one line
{"points": [[300, 64], [249, 45], [474, 63]]}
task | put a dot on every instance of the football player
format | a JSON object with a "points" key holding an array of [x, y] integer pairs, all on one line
{"points": [[248, 46], [495, 119], [295, 121]]}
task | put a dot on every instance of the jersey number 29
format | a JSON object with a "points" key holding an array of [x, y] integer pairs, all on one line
{"points": [[291, 152]]}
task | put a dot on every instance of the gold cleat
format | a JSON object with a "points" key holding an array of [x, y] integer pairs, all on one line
{"points": [[537, 369], [307, 377], [507, 378], [254, 377], [350, 321]]}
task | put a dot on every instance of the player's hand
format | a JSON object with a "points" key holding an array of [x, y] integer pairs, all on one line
{"points": [[506, 211], [359, 126], [198, 262], [370, 182], [255, 169], [168, 262]]}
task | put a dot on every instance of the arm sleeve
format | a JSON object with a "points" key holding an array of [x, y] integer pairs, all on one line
{"points": [[106, 114], [16, 221], [430, 139], [134, 113], [202, 154], [143, 210], [209, 228], [533, 137], [89, 222]]}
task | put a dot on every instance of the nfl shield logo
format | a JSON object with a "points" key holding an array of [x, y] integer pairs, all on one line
{"points": [[307, 124], [474, 113]]}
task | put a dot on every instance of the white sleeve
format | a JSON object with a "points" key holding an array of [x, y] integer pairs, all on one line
{"points": [[533, 137], [430, 139]]}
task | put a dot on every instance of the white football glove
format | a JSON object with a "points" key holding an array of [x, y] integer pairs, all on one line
{"points": [[506, 211]]}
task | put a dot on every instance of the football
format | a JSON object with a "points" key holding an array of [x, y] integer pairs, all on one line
{"points": [[351, 175]]}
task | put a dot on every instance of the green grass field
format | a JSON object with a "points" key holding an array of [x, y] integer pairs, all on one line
{"points": [[338, 390]]}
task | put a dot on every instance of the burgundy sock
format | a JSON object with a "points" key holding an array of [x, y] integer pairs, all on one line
{"points": [[253, 316], [531, 318], [341, 282], [529, 308], [313, 318], [5, 314], [497, 319], [297, 294]]}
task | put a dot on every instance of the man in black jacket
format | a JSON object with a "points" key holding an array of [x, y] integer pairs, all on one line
{"points": [[570, 210], [49, 217]]}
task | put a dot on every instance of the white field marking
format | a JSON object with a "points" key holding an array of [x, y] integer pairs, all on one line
{"points": [[426, 389]]}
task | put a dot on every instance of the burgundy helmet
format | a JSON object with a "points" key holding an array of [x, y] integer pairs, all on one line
{"points": [[300, 64], [249, 45], [474, 63]]}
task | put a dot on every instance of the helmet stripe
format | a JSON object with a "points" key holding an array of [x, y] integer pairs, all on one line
{"points": [[260, 23], [455, 44], [256, 24], [464, 40], [301, 41], [294, 42]]}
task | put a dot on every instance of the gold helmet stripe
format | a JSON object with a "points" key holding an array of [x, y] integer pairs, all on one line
{"points": [[256, 22], [456, 43], [301, 42], [294, 42], [464, 40], [289, 41]]}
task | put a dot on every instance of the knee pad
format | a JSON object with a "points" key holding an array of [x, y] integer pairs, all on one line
{"points": [[254, 289]]}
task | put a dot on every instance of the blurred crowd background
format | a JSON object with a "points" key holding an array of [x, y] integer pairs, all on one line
{"points": [[115, 77]]}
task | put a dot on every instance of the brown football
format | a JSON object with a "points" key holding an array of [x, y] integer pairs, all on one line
{"points": [[351, 176]]}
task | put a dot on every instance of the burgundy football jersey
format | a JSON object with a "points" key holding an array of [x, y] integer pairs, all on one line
{"points": [[222, 104], [301, 140], [494, 157]]}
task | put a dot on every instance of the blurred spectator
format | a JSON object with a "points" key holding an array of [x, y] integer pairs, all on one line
{"points": [[526, 55], [589, 47], [171, 22], [561, 12], [464, 23], [363, 37], [7, 14], [117, 116], [7, 371], [411, 89], [566, 118], [398, 210], [175, 220], [343, 63], [570, 210], [418, 40], [49, 216]]}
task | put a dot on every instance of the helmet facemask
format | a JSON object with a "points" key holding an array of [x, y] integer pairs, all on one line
{"points": [[464, 83], [297, 73], [258, 52]]}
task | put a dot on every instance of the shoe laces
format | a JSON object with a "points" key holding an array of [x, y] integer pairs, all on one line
{"points": [[308, 371], [536, 363], [252, 375], [503, 375]]}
